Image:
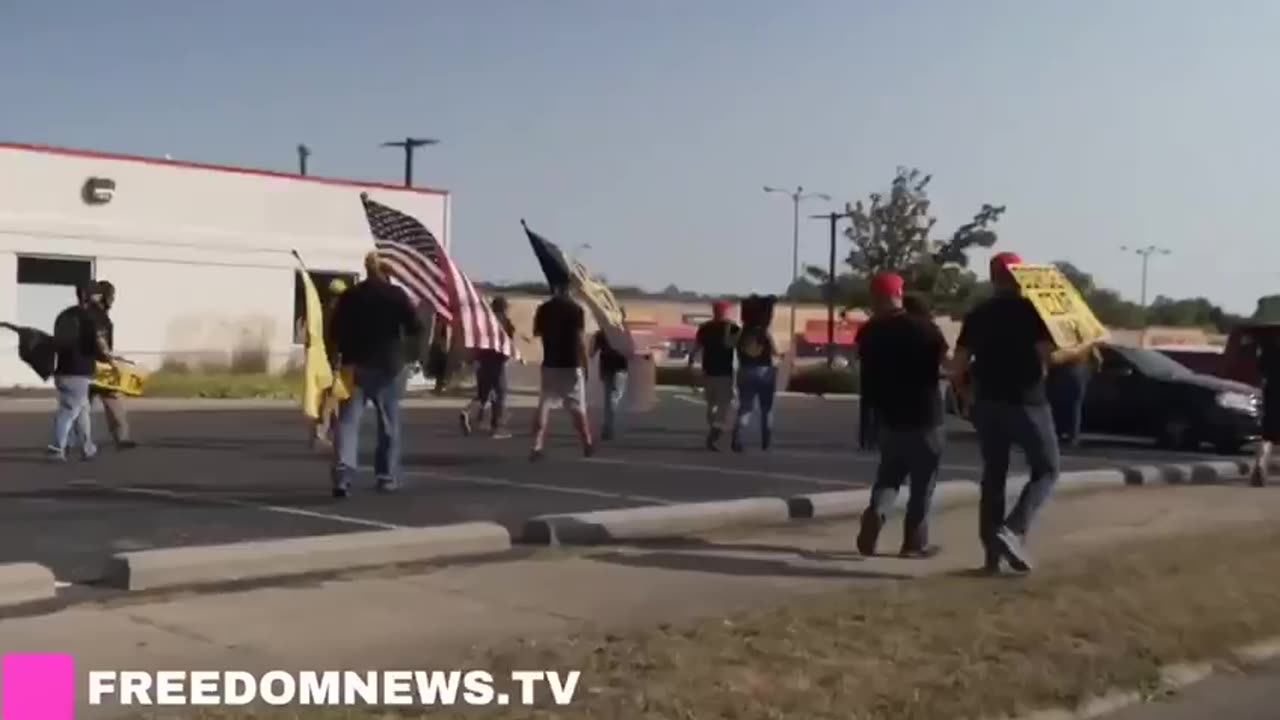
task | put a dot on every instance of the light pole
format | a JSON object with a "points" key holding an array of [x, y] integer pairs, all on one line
{"points": [[798, 196], [304, 152], [410, 145], [833, 218], [1145, 253]]}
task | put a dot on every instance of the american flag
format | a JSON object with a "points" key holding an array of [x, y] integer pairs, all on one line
{"points": [[417, 261]]}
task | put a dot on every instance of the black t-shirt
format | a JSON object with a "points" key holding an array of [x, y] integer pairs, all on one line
{"points": [[755, 347], [375, 326], [1002, 334], [612, 362], [901, 356], [718, 340], [105, 326], [75, 334], [560, 322]]}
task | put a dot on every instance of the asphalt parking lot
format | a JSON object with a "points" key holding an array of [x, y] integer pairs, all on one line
{"points": [[218, 476]]}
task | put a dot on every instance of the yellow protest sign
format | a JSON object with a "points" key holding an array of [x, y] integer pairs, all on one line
{"points": [[121, 378], [1064, 311]]}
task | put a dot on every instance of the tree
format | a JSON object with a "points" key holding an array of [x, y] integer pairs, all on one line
{"points": [[1268, 309], [892, 233]]}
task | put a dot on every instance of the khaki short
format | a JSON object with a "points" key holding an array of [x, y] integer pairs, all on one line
{"points": [[564, 387]]}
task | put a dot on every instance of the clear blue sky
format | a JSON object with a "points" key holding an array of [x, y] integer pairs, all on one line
{"points": [[647, 128]]}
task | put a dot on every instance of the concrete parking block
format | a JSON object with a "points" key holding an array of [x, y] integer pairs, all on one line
{"points": [[1217, 471], [25, 582], [236, 562], [652, 522]]}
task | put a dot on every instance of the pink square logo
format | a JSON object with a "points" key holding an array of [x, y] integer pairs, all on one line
{"points": [[38, 687]]}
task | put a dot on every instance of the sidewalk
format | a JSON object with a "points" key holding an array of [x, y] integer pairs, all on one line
{"points": [[428, 619]]}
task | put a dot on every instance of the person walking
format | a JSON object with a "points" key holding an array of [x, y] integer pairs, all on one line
{"points": [[79, 347], [613, 379], [376, 332], [491, 381], [1267, 349], [902, 353], [1067, 385], [757, 381], [1007, 347], [102, 299], [715, 343], [561, 324]]}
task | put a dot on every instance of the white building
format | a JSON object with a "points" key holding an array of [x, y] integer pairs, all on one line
{"points": [[199, 254]]}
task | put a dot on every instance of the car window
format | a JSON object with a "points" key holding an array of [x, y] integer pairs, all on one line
{"points": [[1152, 363]]}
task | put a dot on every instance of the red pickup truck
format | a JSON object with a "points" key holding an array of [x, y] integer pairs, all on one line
{"points": [[1237, 361]]}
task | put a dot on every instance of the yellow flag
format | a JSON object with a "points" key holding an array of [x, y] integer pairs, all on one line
{"points": [[317, 376]]}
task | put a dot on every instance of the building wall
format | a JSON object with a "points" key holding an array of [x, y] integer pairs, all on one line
{"points": [[200, 255]]}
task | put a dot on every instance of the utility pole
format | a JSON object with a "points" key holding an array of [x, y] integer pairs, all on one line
{"points": [[410, 145], [1145, 253], [796, 198], [304, 152], [833, 218]]}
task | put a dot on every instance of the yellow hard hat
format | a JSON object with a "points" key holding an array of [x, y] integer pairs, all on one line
{"points": [[337, 286]]}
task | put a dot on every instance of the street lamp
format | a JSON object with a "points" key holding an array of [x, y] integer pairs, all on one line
{"points": [[797, 196], [410, 145], [1145, 253]]}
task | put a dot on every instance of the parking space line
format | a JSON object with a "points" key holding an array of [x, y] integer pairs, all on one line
{"points": [[726, 471], [283, 509], [498, 482]]}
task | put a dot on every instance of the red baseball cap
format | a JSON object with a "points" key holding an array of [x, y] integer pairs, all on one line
{"points": [[1000, 262], [887, 284]]}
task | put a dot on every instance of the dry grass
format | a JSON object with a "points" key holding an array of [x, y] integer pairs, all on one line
{"points": [[946, 647]]}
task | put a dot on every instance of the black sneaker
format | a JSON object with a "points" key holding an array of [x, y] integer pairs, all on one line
{"points": [[1011, 546], [869, 532], [464, 422]]}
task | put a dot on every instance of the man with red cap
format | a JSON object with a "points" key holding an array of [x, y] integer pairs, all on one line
{"points": [[901, 354], [1005, 349], [715, 343]]}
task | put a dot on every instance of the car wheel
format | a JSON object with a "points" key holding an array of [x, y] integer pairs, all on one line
{"points": [[1177, 433]]}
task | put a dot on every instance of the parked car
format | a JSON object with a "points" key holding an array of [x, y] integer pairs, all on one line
{"points": [[1144, 393]]}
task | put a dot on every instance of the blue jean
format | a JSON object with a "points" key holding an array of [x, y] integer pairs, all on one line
{"points": [[904, 454], [384, 389], [615, 386], [71, 421], [1067, 386], [756, 384], [1001, 426]]}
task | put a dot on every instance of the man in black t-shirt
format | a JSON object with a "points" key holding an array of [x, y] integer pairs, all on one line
{"points": [[716, 343], [613, 376], [80, 345], [376, 332], [561, 324], [1267, 351], [1004, 349], [902, 356]]}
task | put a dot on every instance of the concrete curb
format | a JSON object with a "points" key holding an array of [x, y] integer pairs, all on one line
{"points": [[1172, 678], [653, 522], [22, 583], [258, 560]]}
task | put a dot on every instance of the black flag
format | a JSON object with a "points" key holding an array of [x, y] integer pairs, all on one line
{"points": [[36, 348], [554, 265]]}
